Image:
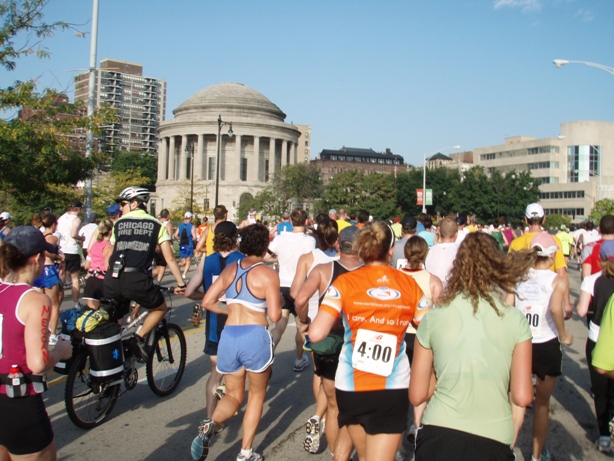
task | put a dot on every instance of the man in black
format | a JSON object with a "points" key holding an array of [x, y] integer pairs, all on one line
{"points": [[135, 236]]}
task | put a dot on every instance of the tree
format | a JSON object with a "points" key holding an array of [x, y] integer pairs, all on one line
{"points": [[37, 150], [138, 162], [602, 208]]}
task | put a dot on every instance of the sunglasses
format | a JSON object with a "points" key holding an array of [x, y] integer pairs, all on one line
{"points": [[122, 204]]}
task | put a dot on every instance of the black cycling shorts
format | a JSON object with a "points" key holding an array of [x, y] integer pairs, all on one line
{"points": [[135, 286], [72, 263], [25, 427], [326, 365]]}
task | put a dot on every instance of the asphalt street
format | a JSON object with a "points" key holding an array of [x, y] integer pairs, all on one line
{"points": [[144, 426]]}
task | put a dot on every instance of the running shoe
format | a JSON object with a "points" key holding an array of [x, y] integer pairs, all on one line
{"points": [[300, 365], [220, 391], [411, 435], [253, 457], [611, 427], [312, 439], [197, 314], [139, 348], [603, 444], [202, 442], [546, 456]]}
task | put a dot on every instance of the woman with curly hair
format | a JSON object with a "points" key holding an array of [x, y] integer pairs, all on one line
{"points": [[376, 303], [245, 347], [469, 352]]}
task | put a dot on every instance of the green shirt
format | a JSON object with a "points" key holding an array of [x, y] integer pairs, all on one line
{"points": [[472, 360], [566, 240]]}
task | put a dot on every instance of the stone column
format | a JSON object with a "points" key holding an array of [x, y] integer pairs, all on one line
{"points": [[272, 162], [294, 153], [236, 160], [172, 160], [284, 152], [199, 166], [162, 159], [183, 159], [253, 171]]}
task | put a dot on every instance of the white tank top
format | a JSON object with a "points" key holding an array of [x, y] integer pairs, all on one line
{"points": [[319, 257], [423, 279], [68, 245], [533, 300]]}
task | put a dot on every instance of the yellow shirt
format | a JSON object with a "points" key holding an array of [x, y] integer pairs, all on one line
{"points": [[341, 224], [524, 243]]}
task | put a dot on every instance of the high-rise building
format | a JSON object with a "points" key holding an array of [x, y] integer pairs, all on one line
{"points": [[304, 143], [140, 102]]}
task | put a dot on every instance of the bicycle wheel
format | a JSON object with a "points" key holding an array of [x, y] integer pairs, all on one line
{"points": [[167, 362], [88, 404]]}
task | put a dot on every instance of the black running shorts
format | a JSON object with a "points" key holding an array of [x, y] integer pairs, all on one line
{"points": [[326, 365], [72, 263], [435, 442], [378, 412], [547, 359], [135, 286], [25, 427]]}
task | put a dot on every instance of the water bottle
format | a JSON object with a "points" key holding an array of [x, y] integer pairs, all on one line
{"points": [[17, 386]]}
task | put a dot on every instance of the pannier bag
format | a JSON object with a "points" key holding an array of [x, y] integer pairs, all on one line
{"points": [[104, 345]]}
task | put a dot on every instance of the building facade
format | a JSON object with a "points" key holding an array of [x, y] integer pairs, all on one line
{"points": [[574, 169], [304, 143], [331, 162], [259, 144], [140, 102]]}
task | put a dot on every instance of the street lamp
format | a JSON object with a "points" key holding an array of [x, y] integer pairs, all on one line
{"points": [[561, 62], [189, 150], [220, 124], [424, 174]]}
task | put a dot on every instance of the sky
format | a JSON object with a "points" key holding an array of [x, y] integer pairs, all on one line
{"points": [[415, 76]]}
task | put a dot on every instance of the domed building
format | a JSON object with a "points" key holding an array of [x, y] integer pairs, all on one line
{"points": [[253, 143]]}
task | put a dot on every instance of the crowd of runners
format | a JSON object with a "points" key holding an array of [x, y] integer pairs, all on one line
{"points": [[441, 332]]}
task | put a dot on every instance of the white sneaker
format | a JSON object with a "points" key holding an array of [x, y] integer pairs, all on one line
{"points": [[604, 444], [53, 340], [300, 365], [312, 439]]}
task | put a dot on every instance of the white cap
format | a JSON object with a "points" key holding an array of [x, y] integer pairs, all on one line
{"points": [[187, 215], [5, 215], [544, 243], [534, 210]]}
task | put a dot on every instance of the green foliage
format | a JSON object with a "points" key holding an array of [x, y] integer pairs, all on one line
{"points": [[109, 186], [555, 220], [140, 163], [602, 208], [355, 191]]}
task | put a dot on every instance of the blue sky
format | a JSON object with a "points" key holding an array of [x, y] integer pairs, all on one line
{"points": [[414, 76]]}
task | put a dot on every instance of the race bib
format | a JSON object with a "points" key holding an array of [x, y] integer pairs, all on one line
{"points": [[374, 352]]}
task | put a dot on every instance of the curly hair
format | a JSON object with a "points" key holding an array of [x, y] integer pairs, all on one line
{"points": [[254, 240], [373, 241], [481, 267], [415, 250], [224, 242], [326, 234]]}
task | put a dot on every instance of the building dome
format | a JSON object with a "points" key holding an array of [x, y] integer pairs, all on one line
{"points": [[233, 99]]}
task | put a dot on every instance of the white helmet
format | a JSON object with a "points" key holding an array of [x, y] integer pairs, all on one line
{"points": [[134, 193]]}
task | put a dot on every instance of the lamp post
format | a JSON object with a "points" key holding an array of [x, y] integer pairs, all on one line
{"points": [[424, 174], [220, 124], [189, 150]]}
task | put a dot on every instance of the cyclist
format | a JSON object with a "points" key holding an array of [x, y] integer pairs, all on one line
{"points": [[135, 236]]}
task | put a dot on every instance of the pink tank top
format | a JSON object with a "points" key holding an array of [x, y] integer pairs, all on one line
{"points": [[12, 329], [97, 258]]}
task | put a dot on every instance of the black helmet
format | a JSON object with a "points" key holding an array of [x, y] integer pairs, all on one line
{"points": [[133, 193]]}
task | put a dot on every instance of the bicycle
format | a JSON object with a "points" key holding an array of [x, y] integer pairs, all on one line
{"points": [[89, 403]]}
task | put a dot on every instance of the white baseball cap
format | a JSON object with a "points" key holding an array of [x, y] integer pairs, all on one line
{"points": [[187, 215], [5, 215], [534, 210]]}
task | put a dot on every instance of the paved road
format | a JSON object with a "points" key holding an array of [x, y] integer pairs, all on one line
{"points": [[144, 426]]}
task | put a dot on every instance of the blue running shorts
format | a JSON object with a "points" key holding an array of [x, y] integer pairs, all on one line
{"points": [[186, 251], [244, 346], [49, 278]]}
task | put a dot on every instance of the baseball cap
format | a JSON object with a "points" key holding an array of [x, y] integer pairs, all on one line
{"points": [[606, 252], [113, 209], [29, 241], [252, 212], [5, 215], [461, 220], [409, 221], [227, 227], [396, 220], [76, 204], [93, 217], [544, 243], [187, 215], [332, 211], [347, 236], [534, 210]]}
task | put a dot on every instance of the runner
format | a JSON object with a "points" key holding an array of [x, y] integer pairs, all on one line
{"points": [[469, 416], [5, 217], [246, 347], [540, 299], [97, 264], [376, 303], [186, 235], [70, 242]]}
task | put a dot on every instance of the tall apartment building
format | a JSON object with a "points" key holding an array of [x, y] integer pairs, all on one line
{"points": [[140, 102], [574, 169], [303, 147]]}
